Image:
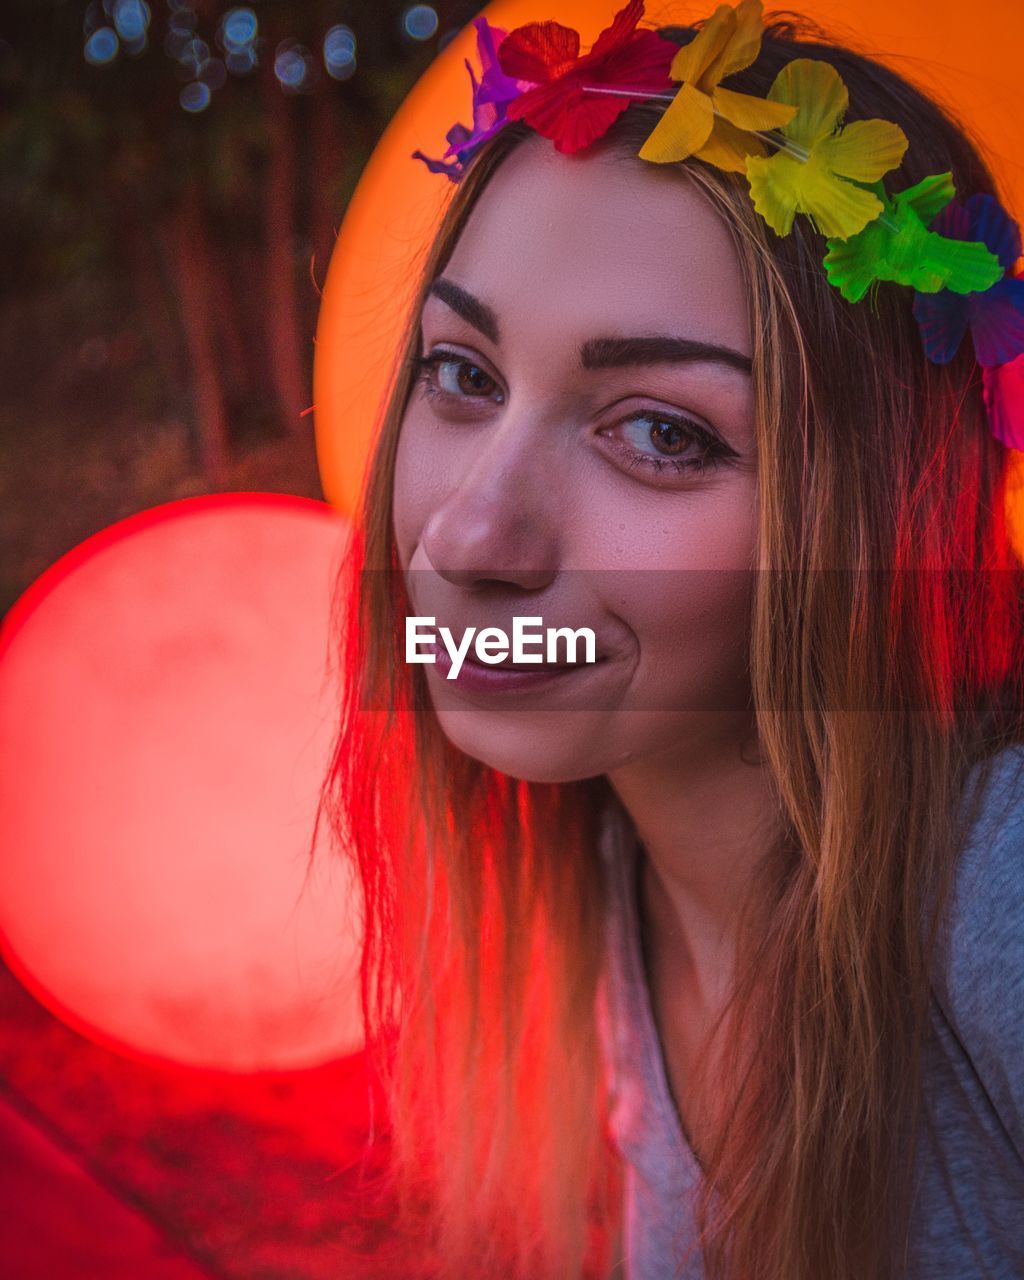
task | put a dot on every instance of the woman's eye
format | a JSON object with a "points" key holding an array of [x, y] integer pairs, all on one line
{"points": [[445, 373], [660, 440]]}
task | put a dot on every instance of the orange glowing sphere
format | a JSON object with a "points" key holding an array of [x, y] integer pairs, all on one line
{"points": [[165, 721], [969, 59]]}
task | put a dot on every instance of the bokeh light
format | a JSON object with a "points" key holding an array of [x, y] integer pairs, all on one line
{"points": [[420, 21], [194, 55], [340, 52], [165, 724], [239, 29], [291, 65], [131, 18], [195, 97], [101, 47]]}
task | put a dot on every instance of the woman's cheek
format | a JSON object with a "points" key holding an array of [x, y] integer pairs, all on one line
{"points": [[419, 472]]}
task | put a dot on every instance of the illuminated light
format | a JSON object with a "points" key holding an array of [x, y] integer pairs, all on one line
{"points": [[241, 62], [239, 28], [421, 21], [290, 67], [340, 52], [165, 725], [213, 73], [195, 97], [101, 47], [131, 18], [195, 55]]}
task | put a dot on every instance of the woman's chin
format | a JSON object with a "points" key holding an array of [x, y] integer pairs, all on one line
{"points": [[536, 746]]}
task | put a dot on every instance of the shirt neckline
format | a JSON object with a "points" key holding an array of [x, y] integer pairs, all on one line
{"points": [[628, 867]]}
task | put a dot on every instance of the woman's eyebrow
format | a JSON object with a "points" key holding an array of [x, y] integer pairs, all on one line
{"points": [[598, 353], [463, 303], [611, 353]]}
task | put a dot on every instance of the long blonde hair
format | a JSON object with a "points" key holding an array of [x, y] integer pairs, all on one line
{"points": [[886, 660]]}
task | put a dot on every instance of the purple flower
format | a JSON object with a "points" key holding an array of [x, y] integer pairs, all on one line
{"points": [[994, 316], [491, 95]]}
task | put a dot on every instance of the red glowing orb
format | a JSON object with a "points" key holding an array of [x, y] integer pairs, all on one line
{"points": [[165, 721]]}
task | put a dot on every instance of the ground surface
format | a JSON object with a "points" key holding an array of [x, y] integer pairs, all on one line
{"points": [[124, 1170]]}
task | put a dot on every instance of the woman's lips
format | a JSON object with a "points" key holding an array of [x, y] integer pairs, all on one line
{"points": [[504, 675]]}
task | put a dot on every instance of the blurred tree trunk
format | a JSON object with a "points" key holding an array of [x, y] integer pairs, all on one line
{"points": [[156, 304], [186, 242], [326, 161], [287, 366], [238, 361]]}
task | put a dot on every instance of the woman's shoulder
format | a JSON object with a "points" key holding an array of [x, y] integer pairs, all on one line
{"points": [[979, 977], [986, 917]]}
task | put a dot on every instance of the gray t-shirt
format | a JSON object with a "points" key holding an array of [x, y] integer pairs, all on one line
{"points": [[968, 1217]]}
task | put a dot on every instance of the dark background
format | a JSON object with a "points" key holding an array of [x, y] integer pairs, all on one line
{"points": [[160, 270], [161, 266]]}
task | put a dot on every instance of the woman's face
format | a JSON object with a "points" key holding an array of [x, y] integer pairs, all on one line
{"points": [[595, 323]]}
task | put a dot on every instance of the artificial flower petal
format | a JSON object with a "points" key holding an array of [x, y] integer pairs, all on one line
{"points": [[997, 229], [994, 315], [745, 42], [817, 90], [495, 86], [897, 246], [728, 41], [491, 94], [539, 51], [683, 128], [615, 36], [942, 319], [997, 323], [1004, 400], [558, 106], [773, 188], [814, 180], [747, 112], [572, 122], [982, 218], [864, 150], [929, 197], [699, 55], [728, 147], [835, 207]]}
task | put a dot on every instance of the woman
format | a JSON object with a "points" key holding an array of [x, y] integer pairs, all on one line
{"points": [[703, 956]]}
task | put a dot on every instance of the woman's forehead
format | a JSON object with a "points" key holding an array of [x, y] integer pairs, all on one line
{"points": [[574, 240]]}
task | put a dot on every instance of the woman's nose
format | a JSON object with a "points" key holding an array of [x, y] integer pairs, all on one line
{"points": [[499, 519]]}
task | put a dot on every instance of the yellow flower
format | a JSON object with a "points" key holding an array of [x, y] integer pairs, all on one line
{"points": [[705, 120], [818, 172]]}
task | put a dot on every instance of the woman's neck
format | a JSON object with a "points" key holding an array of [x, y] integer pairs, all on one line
{"points": [[706, 817]]}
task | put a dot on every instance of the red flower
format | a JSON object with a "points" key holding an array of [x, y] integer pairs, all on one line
{"points": [[547, 54]]}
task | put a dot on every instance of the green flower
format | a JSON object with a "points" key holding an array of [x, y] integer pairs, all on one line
{"points": [[898, 246]]}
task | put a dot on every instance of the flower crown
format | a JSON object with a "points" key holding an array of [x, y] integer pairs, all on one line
{"points": [[797, 156]]}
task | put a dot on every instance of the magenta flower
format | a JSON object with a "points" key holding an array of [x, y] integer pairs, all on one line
{"points": [[1004, 400]]}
